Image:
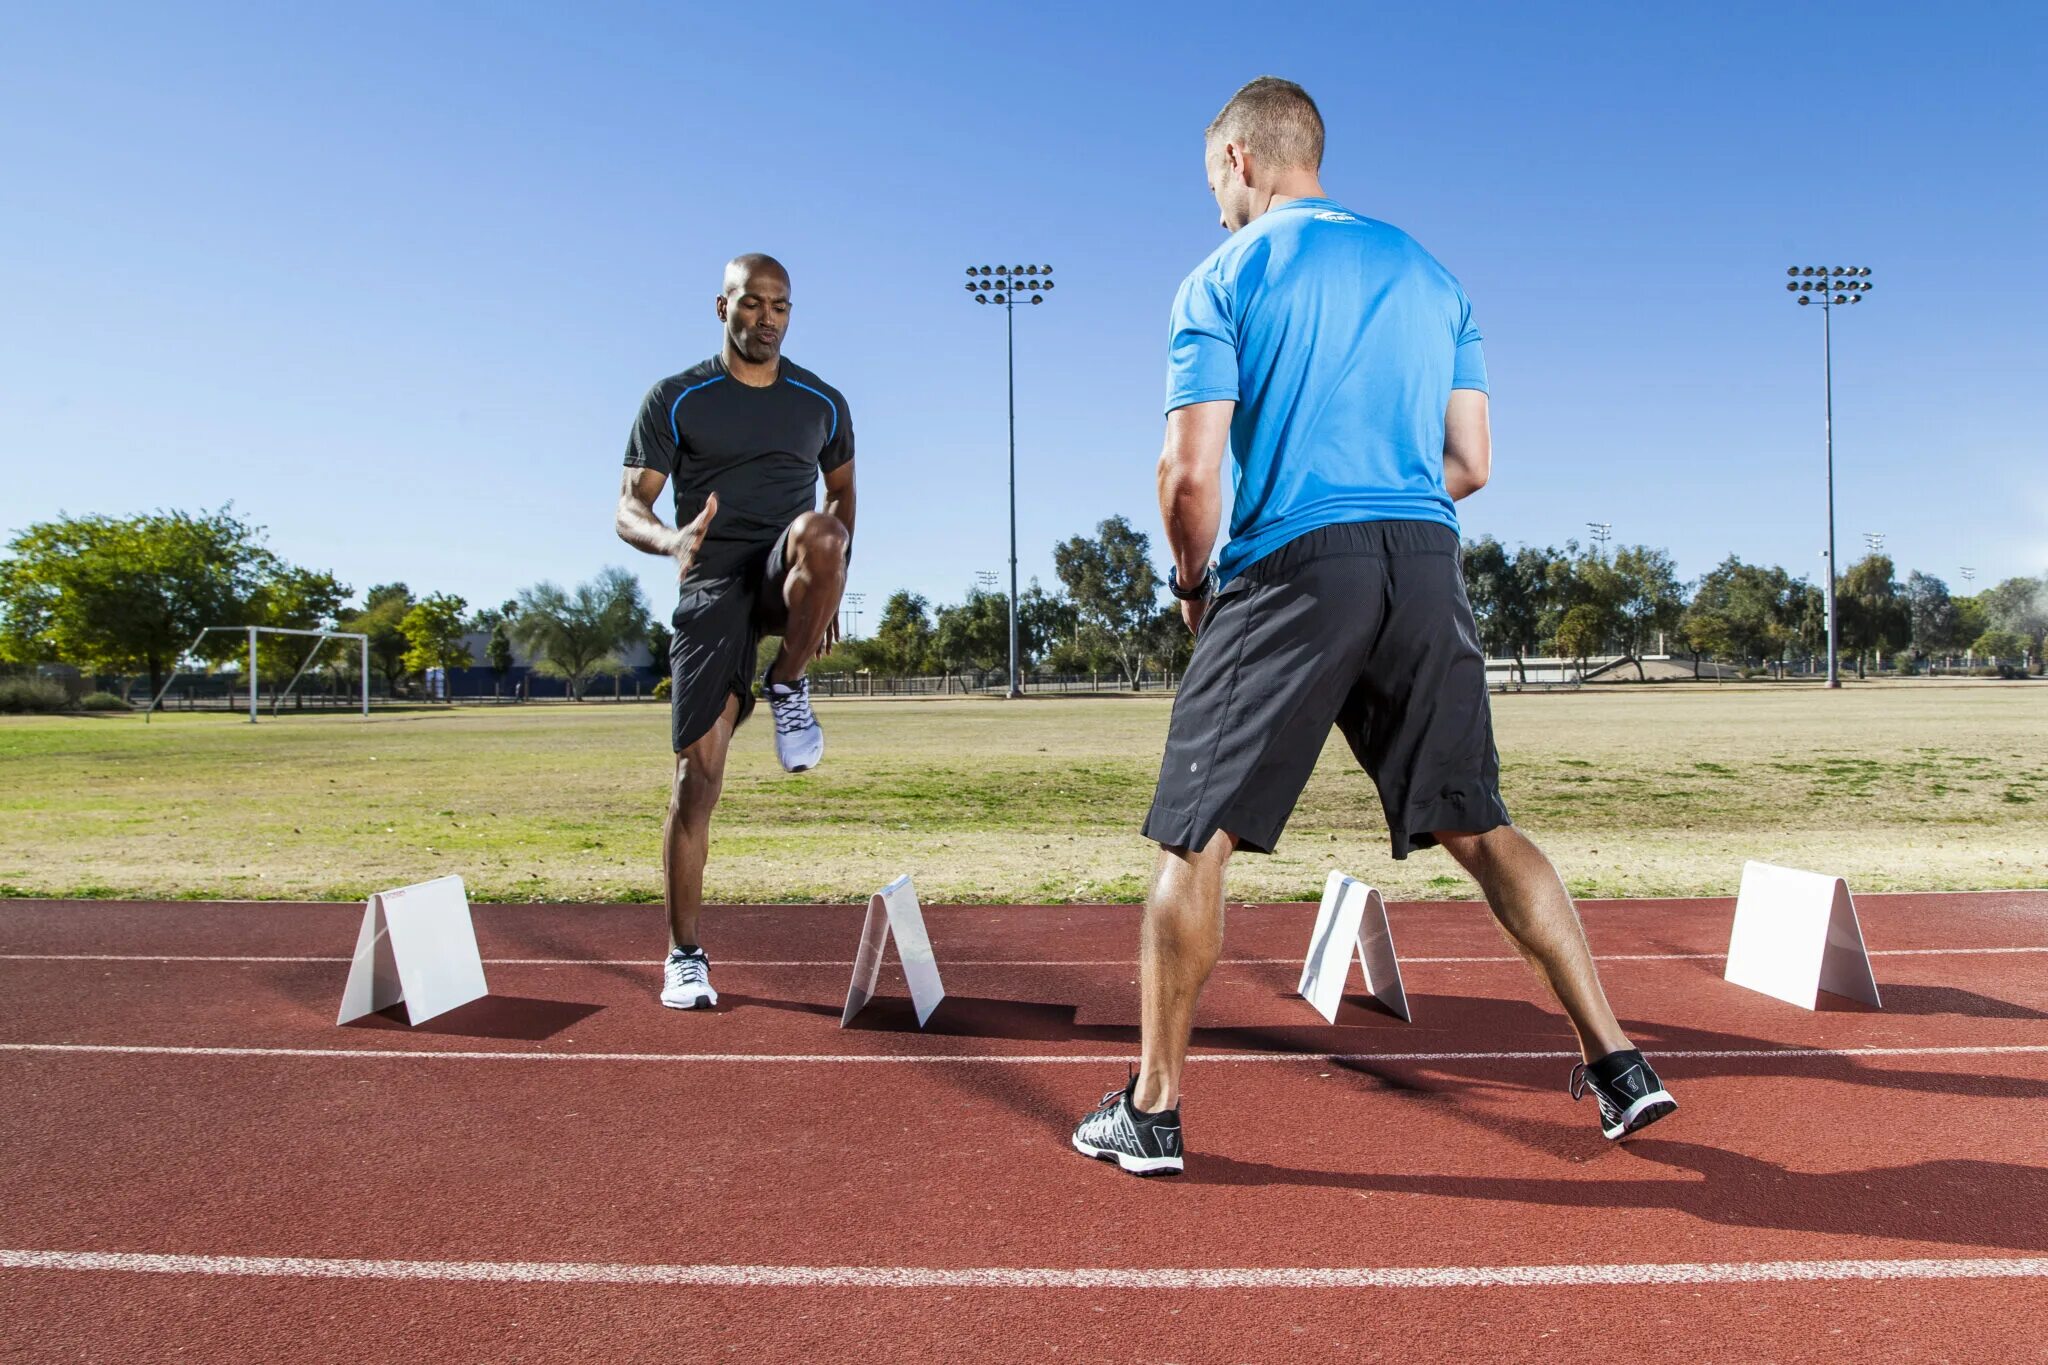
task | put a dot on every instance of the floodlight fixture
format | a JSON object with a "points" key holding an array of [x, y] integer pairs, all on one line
{"points": [[1830, 287], [1013, 284]]}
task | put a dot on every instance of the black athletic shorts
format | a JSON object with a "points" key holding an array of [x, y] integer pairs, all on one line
{"points": [[1364, 626], [718, 625]]}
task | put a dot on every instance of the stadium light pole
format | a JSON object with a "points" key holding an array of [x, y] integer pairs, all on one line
{"points": [[853, 601], [1602, 531], [1873, 542], [1006, 286], [1829, 287]]}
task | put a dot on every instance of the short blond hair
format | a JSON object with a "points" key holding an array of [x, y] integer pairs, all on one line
{"points": [[1274, 120]]}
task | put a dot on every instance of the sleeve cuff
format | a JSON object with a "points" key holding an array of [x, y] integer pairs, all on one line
{"points": [[1194, 396]]}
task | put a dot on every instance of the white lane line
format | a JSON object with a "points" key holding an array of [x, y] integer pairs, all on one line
{"points": [[1024, 1277], [841, 962], [1766, 1054]]}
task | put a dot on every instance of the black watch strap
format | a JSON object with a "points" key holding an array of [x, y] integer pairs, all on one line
{"points": [[1187, 594]]}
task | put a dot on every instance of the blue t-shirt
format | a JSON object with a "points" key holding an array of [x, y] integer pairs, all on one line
{"points": [[1340, 339]]}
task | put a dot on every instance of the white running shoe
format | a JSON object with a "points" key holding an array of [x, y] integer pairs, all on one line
{"points": [[686, 980], [799, 743]]}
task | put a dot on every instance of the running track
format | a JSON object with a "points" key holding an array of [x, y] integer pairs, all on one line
{"points": [[195, 1161]]}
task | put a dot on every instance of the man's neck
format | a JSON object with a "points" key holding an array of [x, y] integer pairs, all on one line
{"points": [[754, 376], [1293, 187]]}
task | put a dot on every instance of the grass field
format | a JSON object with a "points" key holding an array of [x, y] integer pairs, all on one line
{"points": [[1635, 792]]}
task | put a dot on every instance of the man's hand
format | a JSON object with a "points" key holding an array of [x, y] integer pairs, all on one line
{"points": [[689, 538], [831, 636], [1192, 611]]}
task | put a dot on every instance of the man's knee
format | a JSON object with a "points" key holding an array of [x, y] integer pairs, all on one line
{"points": [[819, 539], [699, 778]]}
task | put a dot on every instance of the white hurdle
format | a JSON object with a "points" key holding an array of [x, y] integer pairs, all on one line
{"points": [[1352, 922], [417, 945], [1795, 935], [894, 911]]}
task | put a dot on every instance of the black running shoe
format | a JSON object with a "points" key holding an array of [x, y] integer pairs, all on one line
{"points": [[1629, 1092], [1141, 1143]]}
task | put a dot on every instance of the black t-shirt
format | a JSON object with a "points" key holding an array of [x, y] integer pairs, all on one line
{"points": [[760, 449]]}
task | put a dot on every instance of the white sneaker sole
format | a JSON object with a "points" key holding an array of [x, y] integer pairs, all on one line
{"points": [[1628, 1120], [1136, 1165], [696, 997], [801, 762]]}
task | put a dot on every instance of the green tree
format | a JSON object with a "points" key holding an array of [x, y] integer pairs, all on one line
{"points": [[902, 643], [1494, 590], [433, 634], [1649, 600], [1580, 634], [114, 595], [576, 634], [2020, 605], [1870, 614], [1114, 589], [1167, 641], [301, 599], [975, 635], [1045, 621], [383, 620], [2000, 645], [1741, 613], [498, 652], [1930, 614]]}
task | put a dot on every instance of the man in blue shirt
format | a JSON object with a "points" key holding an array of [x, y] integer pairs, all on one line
{"points": [[1339, 363]]}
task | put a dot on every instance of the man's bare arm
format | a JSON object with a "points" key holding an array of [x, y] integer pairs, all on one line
{"points": [[640, 527], [1191, 490], [1468, 444], [839, 499]]}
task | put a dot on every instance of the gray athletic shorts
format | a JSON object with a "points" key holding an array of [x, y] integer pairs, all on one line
{"points": [[718, 625], [1364, 626]]}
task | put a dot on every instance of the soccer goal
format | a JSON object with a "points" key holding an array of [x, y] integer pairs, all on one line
{"points": [[320, 639]]}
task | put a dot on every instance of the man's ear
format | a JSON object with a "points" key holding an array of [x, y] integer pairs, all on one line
{"points": [[720, 306]]}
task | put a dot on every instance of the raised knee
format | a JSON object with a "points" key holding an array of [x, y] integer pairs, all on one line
{"points": [[820, 534]]}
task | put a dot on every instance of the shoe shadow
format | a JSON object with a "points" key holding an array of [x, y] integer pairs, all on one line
{"points": [[1963, 1202], [494, 1016], [728, 1001]]}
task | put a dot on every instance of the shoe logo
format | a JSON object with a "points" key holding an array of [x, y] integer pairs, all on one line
{"points": [[1631, 1081], [1167, 1136]]}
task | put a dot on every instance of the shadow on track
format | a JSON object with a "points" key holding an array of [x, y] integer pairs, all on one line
{"points": [[494, 1016], [1963, 1202]]}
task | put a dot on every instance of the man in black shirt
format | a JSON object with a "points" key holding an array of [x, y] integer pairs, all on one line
{"points": [[743, 437]]}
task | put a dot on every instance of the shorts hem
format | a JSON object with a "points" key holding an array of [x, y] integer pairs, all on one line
{"points": [[1418, 829], [1171, 828]]}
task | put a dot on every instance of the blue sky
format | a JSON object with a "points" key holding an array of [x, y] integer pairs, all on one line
{"points": [[394, 278]]}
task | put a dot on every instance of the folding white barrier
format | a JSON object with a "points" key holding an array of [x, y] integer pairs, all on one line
{"points": [[1796, 934], [416, 945], [894, 910], [1352, 922]]}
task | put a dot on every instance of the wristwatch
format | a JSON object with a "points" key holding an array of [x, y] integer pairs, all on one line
{"points": [[1203, 587]]}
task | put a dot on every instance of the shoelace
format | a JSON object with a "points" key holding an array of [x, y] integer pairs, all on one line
{"points": [[687, 971], [792, 709]]}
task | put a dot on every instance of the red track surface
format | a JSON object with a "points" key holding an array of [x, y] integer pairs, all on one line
{"points": [[637, 1151]]}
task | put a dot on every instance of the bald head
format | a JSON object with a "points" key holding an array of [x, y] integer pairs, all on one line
{"points": [[753, 303], [743, 270]]}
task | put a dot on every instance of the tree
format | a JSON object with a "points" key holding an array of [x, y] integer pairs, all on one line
{"points": [[127, 595], [300, 599], [1579, 634], [2019, 605], [1930, 614], [1168, 642], [498, 652], [1998, 643], [574, 634], [1741, 613], [1648, 598], [1497, 596], [902, 643], [383, 620], [975, 634], [1113, 587], [1045, 621], [433, 632], [1870, 614]]}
